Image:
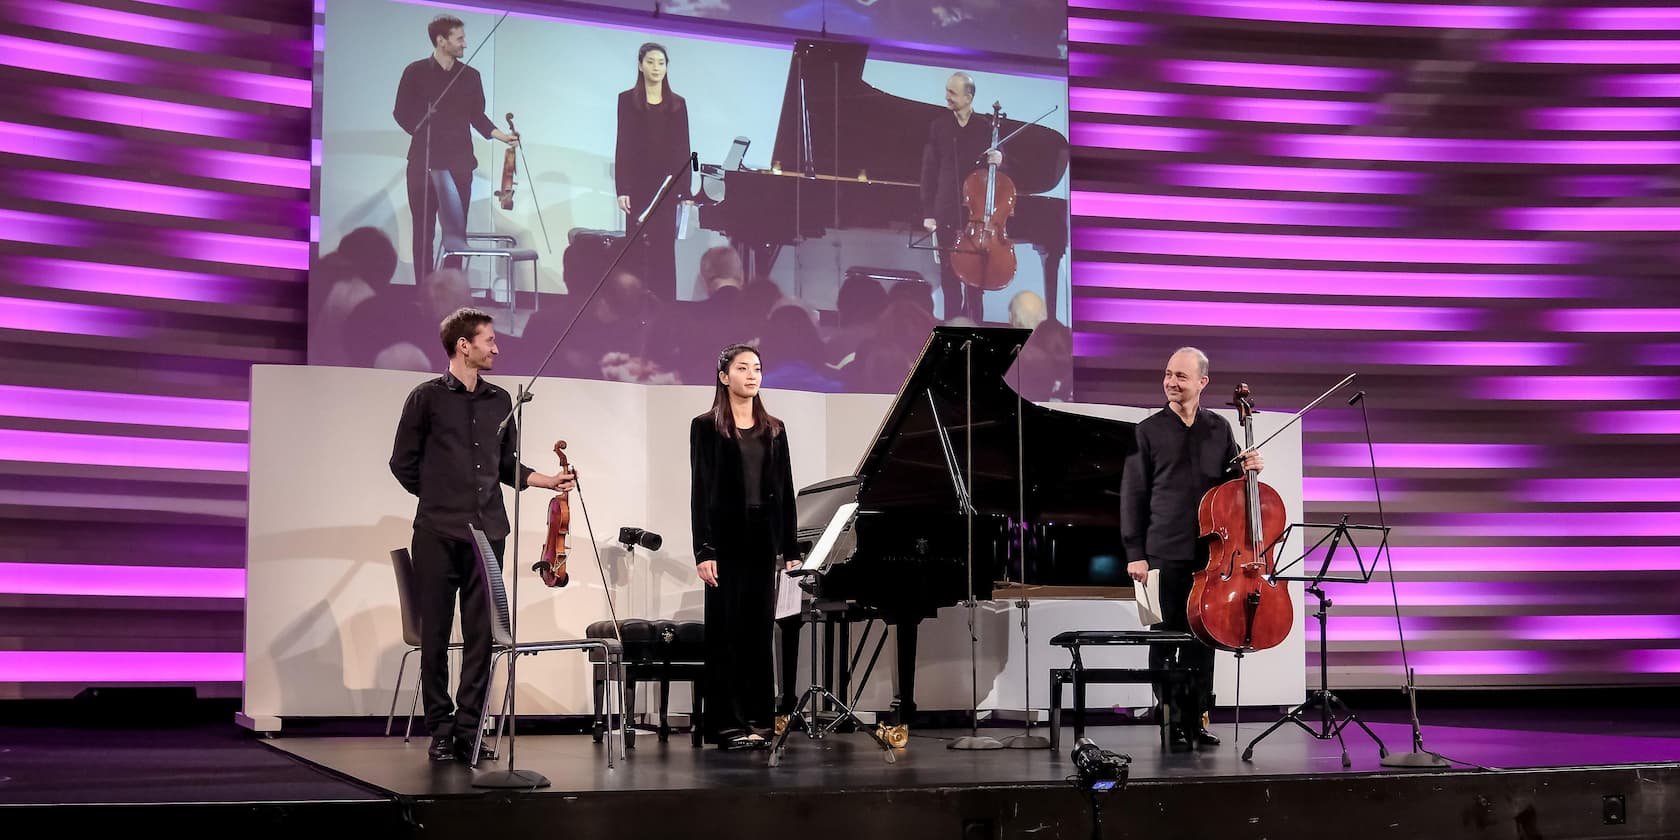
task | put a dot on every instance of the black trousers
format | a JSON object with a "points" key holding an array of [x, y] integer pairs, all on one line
{"points": [[423, 211], [960, 298], [1190, 700], [787, 653], [443, 568], [740, 623], [653, 257]]}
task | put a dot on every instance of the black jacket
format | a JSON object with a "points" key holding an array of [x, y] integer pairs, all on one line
{"points": [[651, 142], [717, 503]]}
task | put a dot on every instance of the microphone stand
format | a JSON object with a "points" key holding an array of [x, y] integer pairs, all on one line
{"points": [[511, 778], [1418, 757]]}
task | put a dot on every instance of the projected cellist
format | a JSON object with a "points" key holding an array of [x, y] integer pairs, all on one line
{"points": [[957, 145], [1182, 453]]}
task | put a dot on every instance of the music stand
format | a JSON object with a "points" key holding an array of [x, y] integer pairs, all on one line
{"points": [[1314, 570], [836, 545]]}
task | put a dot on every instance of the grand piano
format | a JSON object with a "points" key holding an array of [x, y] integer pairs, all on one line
{"points": [[850, 157], [1045, 498]]}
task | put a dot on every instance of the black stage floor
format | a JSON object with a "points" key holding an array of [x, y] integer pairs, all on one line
{"points": [[1531, 774]]}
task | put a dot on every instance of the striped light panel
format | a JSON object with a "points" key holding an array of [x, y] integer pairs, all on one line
{"points": [[1475, 208], [154, 238]]}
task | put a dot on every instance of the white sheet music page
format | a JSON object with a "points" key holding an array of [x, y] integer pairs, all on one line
{"points": [[1148, 595], [787, 595]]}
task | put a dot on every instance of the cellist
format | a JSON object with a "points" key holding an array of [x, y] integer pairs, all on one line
{"points": [[957, 144], [1182, 453]]}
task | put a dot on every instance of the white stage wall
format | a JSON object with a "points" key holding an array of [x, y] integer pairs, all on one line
{"points": [[323, 632]]}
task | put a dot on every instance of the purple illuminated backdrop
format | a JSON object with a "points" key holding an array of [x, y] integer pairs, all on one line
{"points": [[152, 248], [1472, 206], [1492, 248]]}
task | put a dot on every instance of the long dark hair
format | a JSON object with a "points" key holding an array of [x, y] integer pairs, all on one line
{"points": [[665, 95], [723, 417]]}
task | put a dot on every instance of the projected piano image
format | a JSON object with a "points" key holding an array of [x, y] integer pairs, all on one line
{"points": [[847, 157]]}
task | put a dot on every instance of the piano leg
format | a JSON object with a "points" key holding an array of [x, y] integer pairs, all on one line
{"points": [[1052, 259], [905, 706]]}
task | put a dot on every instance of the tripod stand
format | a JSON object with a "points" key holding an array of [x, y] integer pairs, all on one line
{"points": [[1333, 714], [816, 692]]}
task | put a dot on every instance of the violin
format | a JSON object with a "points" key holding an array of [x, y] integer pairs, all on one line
{"points": [[1234, 603], [552, 566], [982, 255], [510, 168]]}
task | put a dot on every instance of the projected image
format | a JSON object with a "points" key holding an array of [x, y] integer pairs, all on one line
{"points": [[523, 164]]}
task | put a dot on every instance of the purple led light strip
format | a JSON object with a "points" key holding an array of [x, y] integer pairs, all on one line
{"points": [[1570, 490], [1248, 211], [108, 407], [1661, 422], [1530, 558], [1357, 249], [1290, 178], [1271, 76], [168, 33], [21, 226], [57, 144], [68, 60], [1614, 320], [149, 198], [75, 275], [1455, 150], [1427, 456], [1338, 12], [1588, 52], [1274, 315], [129, 581], [1605, 119], [111, 450], [72, 666], [1292, 281], [1587, 219], [1574, 388]]}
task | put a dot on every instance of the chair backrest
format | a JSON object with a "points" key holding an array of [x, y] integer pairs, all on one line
{"points": [[489, 565], [407, 596], [452, 216]]}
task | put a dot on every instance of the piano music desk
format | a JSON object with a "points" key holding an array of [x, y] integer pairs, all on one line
{"points": [[1081, 676]]}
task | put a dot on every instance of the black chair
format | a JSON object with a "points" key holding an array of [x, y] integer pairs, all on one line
{"points": [[407, 596], [457, 242], [503, 646]]}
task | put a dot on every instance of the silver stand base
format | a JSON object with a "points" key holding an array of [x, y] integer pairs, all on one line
{"points": [[510, 779], [1414, 759], [977, 742]]}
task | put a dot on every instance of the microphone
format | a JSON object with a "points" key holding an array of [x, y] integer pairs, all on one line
{"points": [[694, 161], [1354, 400]]}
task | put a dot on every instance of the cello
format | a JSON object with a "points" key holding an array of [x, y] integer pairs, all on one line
{"points": [[982, 255], [552, 566], [1235, 604]]}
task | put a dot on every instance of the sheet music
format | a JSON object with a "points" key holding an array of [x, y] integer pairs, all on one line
{"points": [[1148, 596], [787, 595], [682, 218]]}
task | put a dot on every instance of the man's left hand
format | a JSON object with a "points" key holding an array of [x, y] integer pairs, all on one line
{"points": [[1252, 461]]}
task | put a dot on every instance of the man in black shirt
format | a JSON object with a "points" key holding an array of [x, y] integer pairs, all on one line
{"points": [[438, 100], [447, 452], [1182, 453], [957, 145]]}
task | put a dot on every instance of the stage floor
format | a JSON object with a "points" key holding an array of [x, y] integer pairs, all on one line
{"points": [[574, 764]]}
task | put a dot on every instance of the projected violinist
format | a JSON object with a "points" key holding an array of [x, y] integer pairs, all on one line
{"points": [[440, 99], [1182, 453]]}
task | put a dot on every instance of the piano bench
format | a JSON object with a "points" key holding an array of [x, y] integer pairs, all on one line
{"points": [[660, 651], [1080, 676]]}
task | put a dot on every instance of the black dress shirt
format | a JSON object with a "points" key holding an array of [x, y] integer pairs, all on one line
{"points": [[952, 152], [1163, 484], [447, 453], [423, 82]]}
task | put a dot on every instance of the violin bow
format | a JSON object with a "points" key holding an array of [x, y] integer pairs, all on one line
{"points": [[606, 589], [531, 187]]}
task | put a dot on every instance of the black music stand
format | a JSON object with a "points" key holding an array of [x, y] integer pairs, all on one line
{"points": [[1314, 570], [836, 545]]}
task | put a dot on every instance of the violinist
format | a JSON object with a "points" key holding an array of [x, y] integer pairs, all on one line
{"points": [[1182, 453], [742, 509], [957, 144], [652, 140], [447, 453], [438, 100]]}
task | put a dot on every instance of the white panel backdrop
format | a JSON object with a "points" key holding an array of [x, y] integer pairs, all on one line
{"points": [[323, 633]]}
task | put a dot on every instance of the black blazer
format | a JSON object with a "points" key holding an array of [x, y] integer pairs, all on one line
{"points": [[644, 155], [718, 503]]}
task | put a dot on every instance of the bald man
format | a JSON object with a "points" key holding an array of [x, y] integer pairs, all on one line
{"points": [[957, 145]]}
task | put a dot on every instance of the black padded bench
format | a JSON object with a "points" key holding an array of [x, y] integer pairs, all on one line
{"points": [[659, 651], [1081, 676]]}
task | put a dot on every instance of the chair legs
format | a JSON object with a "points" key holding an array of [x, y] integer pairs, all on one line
{"points": [[613, 663], [401, 669]]}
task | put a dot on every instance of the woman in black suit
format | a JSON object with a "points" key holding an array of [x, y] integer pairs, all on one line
{"points": [[652, 140], [742, 505]]}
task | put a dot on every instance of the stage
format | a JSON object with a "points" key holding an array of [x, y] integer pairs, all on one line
{"points": [[1552, 774]]}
